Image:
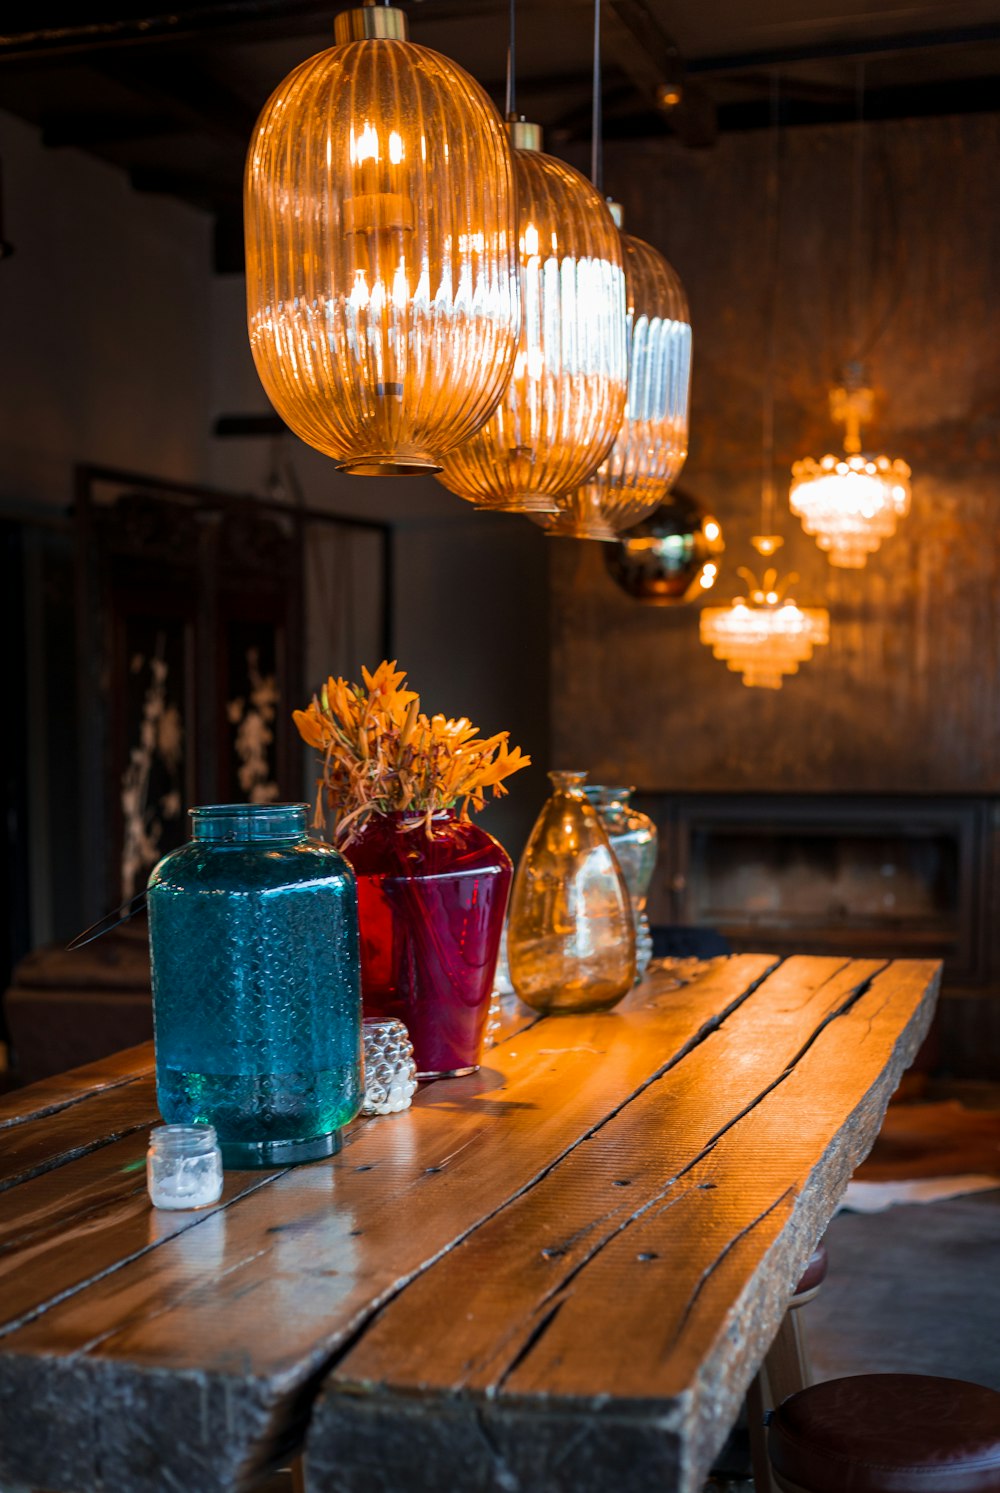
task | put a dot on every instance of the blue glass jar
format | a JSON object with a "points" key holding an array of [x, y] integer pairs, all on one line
{"points": [[253, 932]]}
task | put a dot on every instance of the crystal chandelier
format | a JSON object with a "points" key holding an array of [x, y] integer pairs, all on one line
{"points": [[651, 444], [562, 408], [765, 635], [850, 503], [382, 270]]}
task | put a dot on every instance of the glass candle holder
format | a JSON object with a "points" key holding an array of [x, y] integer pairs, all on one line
{"points": [[390, 1072], [183, 1167]]}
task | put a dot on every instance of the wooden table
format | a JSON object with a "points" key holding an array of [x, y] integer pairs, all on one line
{"points": [[560, 1274]]}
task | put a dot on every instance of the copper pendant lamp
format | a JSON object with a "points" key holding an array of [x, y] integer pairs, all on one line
{"points": [[382, 266]]}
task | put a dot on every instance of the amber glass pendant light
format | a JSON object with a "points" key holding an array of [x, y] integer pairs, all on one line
{"points": [[852, 501], [563, 406], [382, 265], [651, 445]]}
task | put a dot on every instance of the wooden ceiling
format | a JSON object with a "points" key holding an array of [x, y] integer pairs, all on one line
{"points": [[170, 95]]}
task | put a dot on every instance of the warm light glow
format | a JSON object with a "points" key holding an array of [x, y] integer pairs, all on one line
{"points": [[564, 403], [764, 636], [850, 503], [712, 530], [382, 272], [651, 444]]}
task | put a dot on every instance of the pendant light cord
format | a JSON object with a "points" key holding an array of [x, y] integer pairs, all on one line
{"points": [[512, 60], [771, 310], [858, 290], [597, 121]]}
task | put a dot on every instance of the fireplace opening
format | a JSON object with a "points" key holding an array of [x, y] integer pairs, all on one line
{"points": [[891, 893]]}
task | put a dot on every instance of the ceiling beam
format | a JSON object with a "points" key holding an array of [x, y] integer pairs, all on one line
{"points": [[23, 38], [847, 47]]}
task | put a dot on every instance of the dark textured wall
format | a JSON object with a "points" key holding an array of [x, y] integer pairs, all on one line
{"points": [[907, 695]]}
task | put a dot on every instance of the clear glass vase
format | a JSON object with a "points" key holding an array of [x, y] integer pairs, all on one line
{"points": [[633, 839], [570, 941], [431, 908], [256, 994]]}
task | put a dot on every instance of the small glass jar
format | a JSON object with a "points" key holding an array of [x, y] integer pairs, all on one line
{"points": [[183, 1166]]}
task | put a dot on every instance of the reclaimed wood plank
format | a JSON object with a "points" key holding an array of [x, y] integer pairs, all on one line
{"points": [[227, 1324], [629, 1338], [51, 1094], [51, 1140], [502, 1273], [72, 1225]]}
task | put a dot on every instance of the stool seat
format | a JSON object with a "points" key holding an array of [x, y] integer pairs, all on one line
{"points": [[814, 1274], [888, 1433]]}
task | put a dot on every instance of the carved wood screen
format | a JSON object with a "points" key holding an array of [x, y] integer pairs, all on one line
{"points": [[194, 609]]}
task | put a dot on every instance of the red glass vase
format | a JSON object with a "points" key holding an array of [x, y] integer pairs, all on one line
{"points": [[431, 910]]}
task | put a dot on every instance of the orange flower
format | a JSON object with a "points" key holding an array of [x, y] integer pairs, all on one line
{"points": [[380, 754]]}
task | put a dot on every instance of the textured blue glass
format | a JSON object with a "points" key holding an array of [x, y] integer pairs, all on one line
{"points": [[256, 987]]}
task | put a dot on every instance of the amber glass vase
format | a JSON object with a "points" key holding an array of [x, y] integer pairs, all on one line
{"points": [[570, 941], [431, 910]]}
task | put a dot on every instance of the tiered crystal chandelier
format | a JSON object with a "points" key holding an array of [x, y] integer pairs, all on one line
{"points": [[765, 635], [382, 268], [651, 445], [850, 503]]}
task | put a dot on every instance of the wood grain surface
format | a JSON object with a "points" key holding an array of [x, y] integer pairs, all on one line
{"points": [[586, 1245]]}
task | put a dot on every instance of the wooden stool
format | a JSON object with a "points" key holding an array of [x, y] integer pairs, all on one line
{"points": [[887, 1433], [786, 1368]]}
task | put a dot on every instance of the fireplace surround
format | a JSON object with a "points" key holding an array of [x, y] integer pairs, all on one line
{"points": [[891, 876]]}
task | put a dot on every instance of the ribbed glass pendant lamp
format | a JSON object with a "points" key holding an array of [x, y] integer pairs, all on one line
{"points": [[651, 445], [381, 247], [563, 406], [564, 403]]}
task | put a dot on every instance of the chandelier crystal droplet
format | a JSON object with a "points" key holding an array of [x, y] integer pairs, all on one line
{"points": [[382, 263], [564, 404]]}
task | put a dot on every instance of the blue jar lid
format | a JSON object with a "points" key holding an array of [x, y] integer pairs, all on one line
{"points": [[240, 823]]}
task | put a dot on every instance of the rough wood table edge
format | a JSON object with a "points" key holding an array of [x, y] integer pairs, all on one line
{"points": [[502, 1421]]}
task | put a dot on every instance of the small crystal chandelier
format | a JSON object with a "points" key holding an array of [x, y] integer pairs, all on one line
{"points": [[382, 273], [850, 503], [765, 635]]}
